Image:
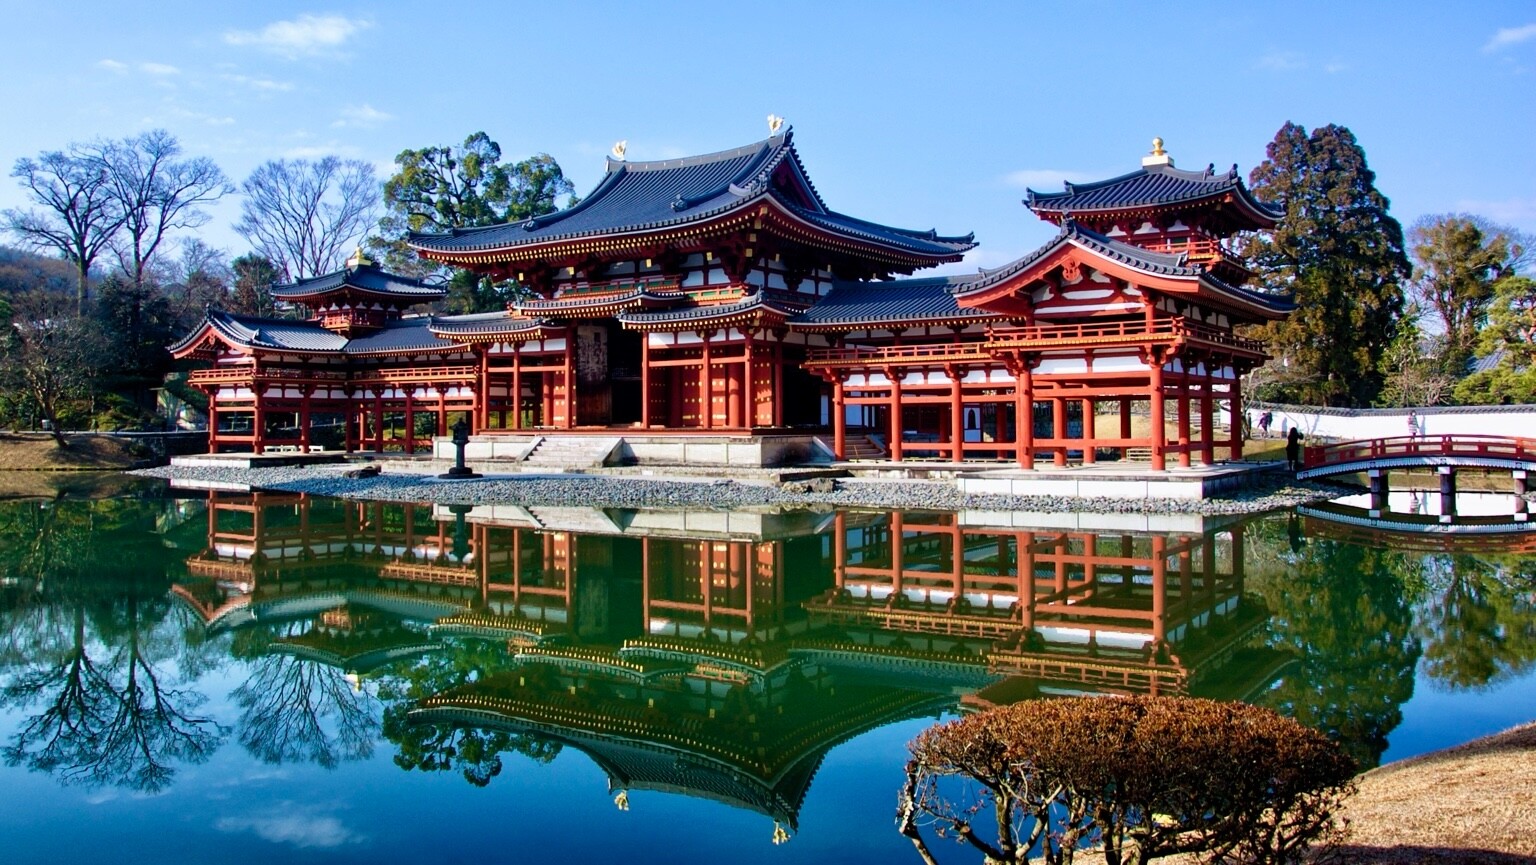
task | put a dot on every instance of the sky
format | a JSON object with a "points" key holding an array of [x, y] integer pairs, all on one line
{"points": [[921, 115]]}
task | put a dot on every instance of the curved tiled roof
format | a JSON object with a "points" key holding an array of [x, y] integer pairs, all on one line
{"points": [[908, 301], [642, 196], [703, 312], [405, 335], [273, 333], [363, 277], [1149, 186], [484, 323]]}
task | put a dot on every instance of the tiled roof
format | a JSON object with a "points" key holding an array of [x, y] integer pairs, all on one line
{"points": [[1151, 186], [363, 277], [704, 311], [402, 336], [904, 300], [641, 196], [274, 333], [634, 296], [483, 323]]}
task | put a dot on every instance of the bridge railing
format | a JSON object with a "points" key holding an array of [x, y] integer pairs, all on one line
{"points": [[1506, 447]]}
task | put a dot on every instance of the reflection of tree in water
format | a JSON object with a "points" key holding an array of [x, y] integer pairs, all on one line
{"points": [[1478, 619], [444, 746], [296, 710], [1345, 612]]}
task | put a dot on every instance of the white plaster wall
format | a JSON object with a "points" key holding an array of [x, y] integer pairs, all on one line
{"points": [[1386, 423]]}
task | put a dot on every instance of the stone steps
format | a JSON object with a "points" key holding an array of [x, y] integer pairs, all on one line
{"points": [[570, 451]]}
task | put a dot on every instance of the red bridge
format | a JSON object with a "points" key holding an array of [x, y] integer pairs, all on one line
{"points": [[1516, 455]]}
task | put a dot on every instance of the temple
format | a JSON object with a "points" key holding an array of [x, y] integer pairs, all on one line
{"points": [[720, 295]]}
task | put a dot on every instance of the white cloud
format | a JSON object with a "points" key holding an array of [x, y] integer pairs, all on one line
{"points": [[1044, 179], [262, 85], [364, 116], [306, 34], [113, 66], [1281, 61], [296, 829], [1335, 67], [320, 151], [1511, 36], [1519, 212], [158, 69]]}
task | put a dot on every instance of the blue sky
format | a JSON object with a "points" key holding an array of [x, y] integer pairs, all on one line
{"points": [[920, 115]]}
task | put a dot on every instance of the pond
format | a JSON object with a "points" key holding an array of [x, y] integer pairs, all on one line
{"points": [[238, 677]]}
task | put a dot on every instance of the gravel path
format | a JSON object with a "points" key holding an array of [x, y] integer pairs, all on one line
{"points": [[630, 492]]}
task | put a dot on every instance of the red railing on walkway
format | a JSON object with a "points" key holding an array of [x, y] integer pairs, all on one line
{"points": [[1504, 447]]}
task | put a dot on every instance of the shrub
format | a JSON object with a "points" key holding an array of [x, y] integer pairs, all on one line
{"points": [[1143, 777]]}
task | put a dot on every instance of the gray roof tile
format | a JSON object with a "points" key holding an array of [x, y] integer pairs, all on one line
{"points": [[1151, 186], [364, 277], [903, 300]]}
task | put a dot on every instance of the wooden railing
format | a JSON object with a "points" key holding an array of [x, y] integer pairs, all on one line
{"points": [[1030, 337], [398, 375], [1494, 447]]}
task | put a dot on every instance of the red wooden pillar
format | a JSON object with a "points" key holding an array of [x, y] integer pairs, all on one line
{"points": [[1159, 589], [258, 426], [480, 416], [213, 422], [515, 395], [839, 420], [707, 385], [1026, 583], [568, 376], [1125, 424], [956, 415], [898, 553], [1183, 412], [1207, 417], [304, 421], [1235, 401], [645, 381], [1024, 423], [895, 420], [442, 410], [747, 412], [410, 419], [1089, 431], [778, 382], [1159, 430], [378, 422], [840, 549], [1059, 430]]}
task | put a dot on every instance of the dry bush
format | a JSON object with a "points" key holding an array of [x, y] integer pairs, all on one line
{"points": [[1141, 777]]}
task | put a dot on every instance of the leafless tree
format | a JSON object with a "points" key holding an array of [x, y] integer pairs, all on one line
{"points": [[79, 213], [304, 216], [158, 193], [48, 352]]}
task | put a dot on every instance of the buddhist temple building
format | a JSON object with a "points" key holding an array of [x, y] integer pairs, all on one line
{"points": [[721, 296]]}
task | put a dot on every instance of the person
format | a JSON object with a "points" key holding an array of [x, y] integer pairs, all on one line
{"points": [[1413, 424], [1265, 420], [1293, 449]]}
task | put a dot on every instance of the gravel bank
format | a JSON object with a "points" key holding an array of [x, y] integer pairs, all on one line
{"points": [[631, 492]]}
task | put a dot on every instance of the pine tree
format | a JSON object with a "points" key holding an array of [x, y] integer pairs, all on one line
{"points": [[1340, 253], [254, 275], [1458, 263]]}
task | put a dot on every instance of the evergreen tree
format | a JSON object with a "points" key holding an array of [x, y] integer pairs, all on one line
{"points": [[254, 275], [442, 188], [1509, 342], [1340, 253], [1458, 264]]}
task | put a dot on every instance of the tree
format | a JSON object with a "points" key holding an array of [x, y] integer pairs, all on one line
{"points": [[158, 193], [1411, 375], [1143, 777], [1458, 264], [1509, 343], [80, 214], [305, 216], [49, 353], [135, 323], [254, 275], [1340, 253], [442, 188]]}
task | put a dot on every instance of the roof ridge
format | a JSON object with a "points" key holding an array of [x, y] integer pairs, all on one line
{"points": [[779, 140]]}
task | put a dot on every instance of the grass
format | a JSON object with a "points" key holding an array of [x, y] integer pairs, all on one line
{"points": [[36, 452]]}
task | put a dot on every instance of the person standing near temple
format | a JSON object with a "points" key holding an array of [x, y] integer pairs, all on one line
{"points": [[1265, 420], [1293, 449]]}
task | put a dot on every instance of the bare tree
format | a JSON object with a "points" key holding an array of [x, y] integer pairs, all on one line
{"points": [[48, 353], [158, 193], [79, 214], [304, 216]]}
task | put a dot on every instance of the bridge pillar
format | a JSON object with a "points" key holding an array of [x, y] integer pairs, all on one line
{"points": [[1447, 494], [1520, 482], [1522, 508], [1378, 478]]}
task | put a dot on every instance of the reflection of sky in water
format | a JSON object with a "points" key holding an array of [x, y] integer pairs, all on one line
{"points": [[235, 808], [1428, 503]]}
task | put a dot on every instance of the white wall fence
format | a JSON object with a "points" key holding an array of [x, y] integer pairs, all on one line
{"points": [[1370, 423]]}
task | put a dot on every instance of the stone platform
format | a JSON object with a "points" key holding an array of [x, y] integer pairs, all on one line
{"points": [[1123, 481], [599, 447], [259, 461]]}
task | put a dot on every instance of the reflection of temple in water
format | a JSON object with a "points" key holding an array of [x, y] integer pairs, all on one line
{"points": [[723, 654]]}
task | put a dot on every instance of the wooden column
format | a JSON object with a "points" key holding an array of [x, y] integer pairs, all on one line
{"points": [[480, 418], [304, 421], [895, 420], [1089, 432], [1159, 431], [778, 382], [645, 380], [1059, 430], [1182, 408], [515, 395], [839, 420], [1207, 417], [1024, 423], [258, 426], [570, 379], [213, 422], [410, 419], [745, 414], [378, 423], [957, 414], [1239, 418], [442, 410], [1125, 425], [707, 385], [1159, 589]]}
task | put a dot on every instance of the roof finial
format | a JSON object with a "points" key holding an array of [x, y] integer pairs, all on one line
{"points": [[1158, 156], [357, 260], [775, 123], [618, 149]]}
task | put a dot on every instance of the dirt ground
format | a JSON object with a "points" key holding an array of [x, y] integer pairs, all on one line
{"points": [[37, 452]]}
